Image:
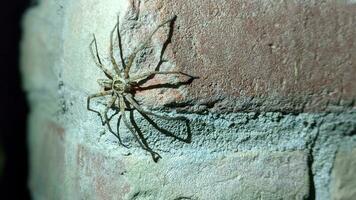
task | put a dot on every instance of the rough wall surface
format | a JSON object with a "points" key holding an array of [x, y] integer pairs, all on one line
{"points": [[272, 114], [344, 172]]}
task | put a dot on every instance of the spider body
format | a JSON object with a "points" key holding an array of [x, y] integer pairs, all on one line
{"points": [[117, 85], [120, 86]]}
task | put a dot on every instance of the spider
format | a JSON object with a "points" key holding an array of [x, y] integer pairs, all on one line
{"points": [[120, 85]]}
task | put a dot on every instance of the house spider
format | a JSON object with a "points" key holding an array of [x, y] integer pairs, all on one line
{"points": [[120, 85]]}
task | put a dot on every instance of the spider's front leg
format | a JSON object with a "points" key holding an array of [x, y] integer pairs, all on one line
{"points": [[100, 94], [97, 59], [120, 43], [111, 50], [113, 61]]}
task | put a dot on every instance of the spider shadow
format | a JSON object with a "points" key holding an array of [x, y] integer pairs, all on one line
{"points": [[166, 85], [155, 155], [161, 61], [166, 43]]}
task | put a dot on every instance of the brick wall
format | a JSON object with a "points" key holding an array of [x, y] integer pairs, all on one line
{"points": [[271, 116]]}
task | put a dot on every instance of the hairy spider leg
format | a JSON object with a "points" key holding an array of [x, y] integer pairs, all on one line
{"points": [[113, 61], [107, 120], [100, 94], [97, 59], [108, 106], [133, 102], [117, 134], [143, 146], [120, 44], [142, 46]]}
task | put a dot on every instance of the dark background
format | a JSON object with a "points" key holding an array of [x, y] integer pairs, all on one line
{"points": [[14, 108]]}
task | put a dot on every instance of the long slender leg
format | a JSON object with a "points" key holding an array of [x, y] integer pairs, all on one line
{"points": [[107, 121], [122, 110], [142, 46], [120, 44], [97, 59], [141, 110], [147, 74], [117, 134], [108, 106], [113, 61], [105, 93]]}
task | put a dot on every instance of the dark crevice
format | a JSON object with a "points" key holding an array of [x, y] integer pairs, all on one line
{"points": [[13, 138], [311, 176], [312, 190]]}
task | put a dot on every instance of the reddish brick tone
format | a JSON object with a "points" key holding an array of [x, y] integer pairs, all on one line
{"points": [[265, 56], [48, 160], [100, 177]]}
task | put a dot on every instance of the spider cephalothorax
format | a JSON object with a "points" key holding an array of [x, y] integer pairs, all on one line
{"points": [[120, 85]]}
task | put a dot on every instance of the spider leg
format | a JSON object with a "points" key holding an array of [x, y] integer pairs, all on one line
{"points": [[97, 59], [117, 135], [148, 74], [155, 155], [142, 46], [113, 61], [100, 94], [108, 106], [141, 110], [107, 119], [120, 44]]}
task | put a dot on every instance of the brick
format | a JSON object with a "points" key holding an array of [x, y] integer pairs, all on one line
{"points": [[344, 176], [249, 55], [99, 176], [265, 55], [47, 160], [250, 175]]}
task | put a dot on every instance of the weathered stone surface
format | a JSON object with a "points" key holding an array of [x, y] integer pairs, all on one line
{"points": [[344, 176]]}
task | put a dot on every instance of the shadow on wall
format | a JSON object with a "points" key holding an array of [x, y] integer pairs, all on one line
{"points": [[13, 147]]}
